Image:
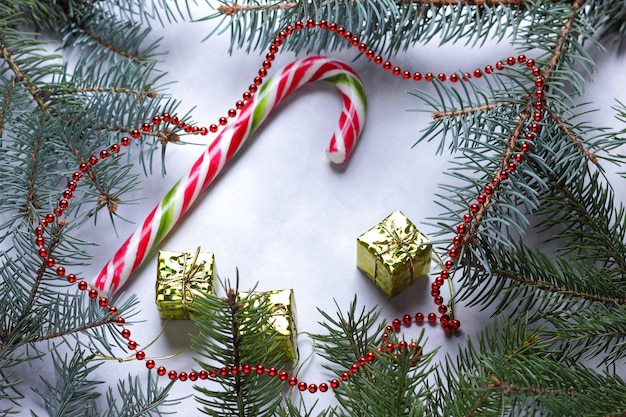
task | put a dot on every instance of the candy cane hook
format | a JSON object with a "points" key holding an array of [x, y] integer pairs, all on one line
{"points": [[186, 191]]}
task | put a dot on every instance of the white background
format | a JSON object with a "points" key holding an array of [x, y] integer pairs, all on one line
{"points": [[280, 213]]}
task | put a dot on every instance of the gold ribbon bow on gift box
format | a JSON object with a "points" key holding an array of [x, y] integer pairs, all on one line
{"points": [[181, 277]]}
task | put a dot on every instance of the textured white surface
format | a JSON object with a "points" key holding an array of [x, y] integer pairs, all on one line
{"points": [[281, 214]]}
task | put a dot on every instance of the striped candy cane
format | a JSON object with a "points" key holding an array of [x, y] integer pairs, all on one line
{"points": [[187, 190]]}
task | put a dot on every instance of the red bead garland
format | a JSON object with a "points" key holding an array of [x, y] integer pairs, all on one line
{"points": [[459, 241]]}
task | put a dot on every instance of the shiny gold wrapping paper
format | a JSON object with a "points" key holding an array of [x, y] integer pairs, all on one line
{"points": [[283, 322], [394, 253], [182, 276]]}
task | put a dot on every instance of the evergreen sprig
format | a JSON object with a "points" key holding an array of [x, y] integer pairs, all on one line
{"points": [[553, 354], [236, 331]]}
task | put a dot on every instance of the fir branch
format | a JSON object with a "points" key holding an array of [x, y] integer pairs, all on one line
{"points": [[113, 48], [21, 76]]}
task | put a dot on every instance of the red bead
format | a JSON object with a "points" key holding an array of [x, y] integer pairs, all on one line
{"points": [[262, 73], [283, 375], [539, 93], [103, 301], [71, 278], [429, 76], [182, 376], [435, 293], [536, 71], [83, 167], [443, 309], [246, 369], [125, 333], [406, 75], [407, 319], [390, 347], [396, 323], [432, 317], [345, 376], [524, 147], [293, 381], [150, 364], [204, 131], [370, 356], [223, 372], [454, 78], [125, 141], [504, 175], [461, 228], [156, 120], [166, 117], [512, 166], [140, 355], [467, 218], [535, 127], [499, 65], [537, 116], [112, 310], [67, 194], [323, 387], [120, 320], [272, 371], [488, 69], [136, 133], [302, 386], [193, 376], [223, 121], [146, 127], [448, 264], [396, 71], [82, 285], [335, 383], [488, 189], [260, 369], [213, 128], [203, 374], [378, 60], [442, 77], [310, 23], [43, 252], [510, 60], [417, 76], [93, 160], [478, 73], [172, 375], [93, 293], [439, 281], [530, 63], [438, 301], [161, 370], [132, 345], [474, 208], [354, 368], [455, 324], [60, 271], [521, 59]]}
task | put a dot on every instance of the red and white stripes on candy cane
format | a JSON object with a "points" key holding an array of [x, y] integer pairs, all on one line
{"points": [[220, 151]]}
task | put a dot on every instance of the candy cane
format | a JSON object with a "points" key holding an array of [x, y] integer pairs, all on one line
{"points": [[187, 190]]}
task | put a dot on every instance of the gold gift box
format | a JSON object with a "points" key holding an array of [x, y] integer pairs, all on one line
{"points": [[182, 276], [282, 321], [394, 253]]}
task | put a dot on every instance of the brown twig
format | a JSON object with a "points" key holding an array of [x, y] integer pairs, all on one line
{"points": [[21, 77], [469, 110], [590, 155], [114, 48], [553, 288], [507, 389], [149, 92]]}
